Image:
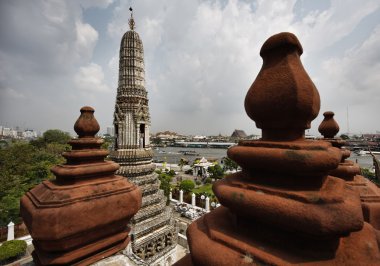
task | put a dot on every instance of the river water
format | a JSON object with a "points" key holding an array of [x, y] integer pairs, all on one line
{"points": [[173, 155]]}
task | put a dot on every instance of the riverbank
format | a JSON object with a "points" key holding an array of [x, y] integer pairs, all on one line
{"points": [[173, 155]]}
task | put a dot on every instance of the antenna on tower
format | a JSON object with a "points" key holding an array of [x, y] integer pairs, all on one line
{"points": [[131, 20], [348, 124]]}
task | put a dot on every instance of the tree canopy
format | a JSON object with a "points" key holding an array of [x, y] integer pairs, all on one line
{"points": [[230, 164], [23, 165], [51, 136], [216, 171], [187, 185]]}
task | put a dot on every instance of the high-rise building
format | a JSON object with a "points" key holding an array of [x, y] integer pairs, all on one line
{"points": [[154, 236], [110, 131]]}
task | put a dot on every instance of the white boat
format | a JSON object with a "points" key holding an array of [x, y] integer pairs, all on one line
{"points": [[364, 152]]}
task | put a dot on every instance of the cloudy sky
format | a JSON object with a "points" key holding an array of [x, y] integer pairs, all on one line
{"points": [[201, 57]]}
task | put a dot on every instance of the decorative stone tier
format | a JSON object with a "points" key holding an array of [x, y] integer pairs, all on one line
{"points": [[150, 211], [133, 155], [237, 242], [156, 244], [148, 189], [81, 216], [145, 179], [141, 228], [135, 171], [152, 199]]}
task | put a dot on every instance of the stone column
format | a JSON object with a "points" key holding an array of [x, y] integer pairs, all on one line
{"points": [[283, 208], [181, 196], [11, 231], [207, 205], [193, 199], [81, 216]]}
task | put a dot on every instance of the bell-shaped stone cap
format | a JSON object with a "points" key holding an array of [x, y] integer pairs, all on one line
{"points": [[282, 100], [86, 125], [329, 127]]}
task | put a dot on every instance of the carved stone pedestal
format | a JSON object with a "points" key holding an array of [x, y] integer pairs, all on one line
{"points": [[82, 215]]}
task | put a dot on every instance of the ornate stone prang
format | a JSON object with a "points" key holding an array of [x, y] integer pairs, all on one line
{"points": [[81, 216], [133, 152], [283, 208]]}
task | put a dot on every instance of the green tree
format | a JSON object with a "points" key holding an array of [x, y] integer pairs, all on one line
{"points": [[56, 136], [187, 185], [165, 180], [230, 164], [22, 166], [216, 171], [108, 141], [344, 136], [369, 175], [182, 163], [51, 136]]}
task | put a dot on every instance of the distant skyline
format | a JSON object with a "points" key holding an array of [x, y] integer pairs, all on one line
{"points": [[200, 58]]}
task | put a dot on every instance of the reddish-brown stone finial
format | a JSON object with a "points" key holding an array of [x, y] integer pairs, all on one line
{"points": [[82, 215], [282, 100], [86, 125], [350, 172], [329, 127], [283, 208]]}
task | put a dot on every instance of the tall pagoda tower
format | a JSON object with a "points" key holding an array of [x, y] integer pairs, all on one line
{"points": [[154, 236]]}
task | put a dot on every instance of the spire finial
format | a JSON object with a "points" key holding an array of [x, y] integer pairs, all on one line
{"points": [[131, 20]]}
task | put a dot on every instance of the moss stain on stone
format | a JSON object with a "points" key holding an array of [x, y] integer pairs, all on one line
{"points": [[296, 155]]}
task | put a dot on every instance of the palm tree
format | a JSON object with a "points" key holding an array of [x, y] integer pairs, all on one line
{"points": [[183, 162]]}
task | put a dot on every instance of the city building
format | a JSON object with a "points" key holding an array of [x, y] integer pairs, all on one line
{"points": [[154, 236], [9, 132], [111, 131], [29, 134], [238, 134]]}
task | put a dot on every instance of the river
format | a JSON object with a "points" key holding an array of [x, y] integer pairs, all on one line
{"points": [[172, 155]]}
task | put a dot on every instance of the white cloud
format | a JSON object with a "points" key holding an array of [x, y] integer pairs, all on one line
{"points": [[86, 38], [200, 57], [44, 45], [9, 92], [353, 83], [321, 29], [95, 3], [91, 78]]}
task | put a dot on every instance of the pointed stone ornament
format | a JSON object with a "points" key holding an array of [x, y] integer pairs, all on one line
{"points": [[329, 127], [276, 101], [350, 172], [283, 208], [86, 125], [82, 215]]}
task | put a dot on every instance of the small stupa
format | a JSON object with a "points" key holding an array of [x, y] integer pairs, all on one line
{"points": [[283, 208], [350, 171], [82, 215]]}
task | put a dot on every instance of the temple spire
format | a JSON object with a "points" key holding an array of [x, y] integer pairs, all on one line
{"points": [[131, 20]]}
